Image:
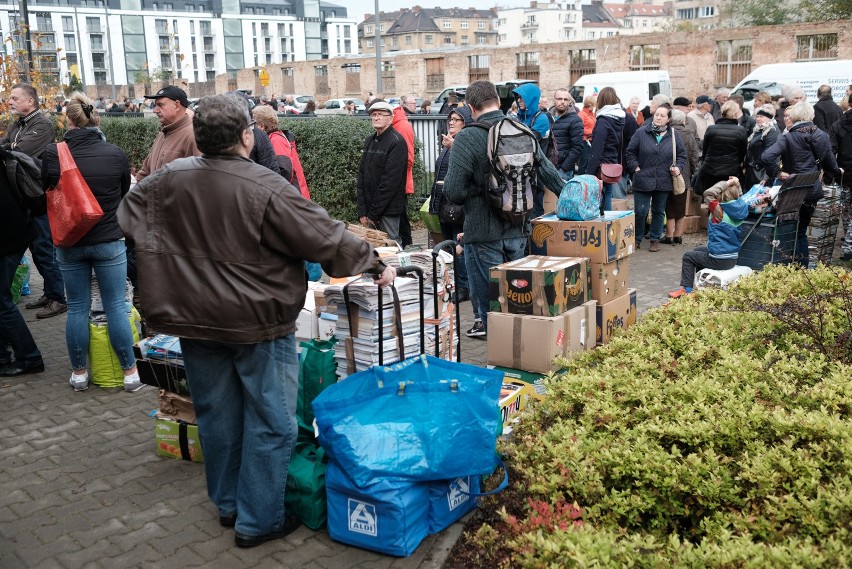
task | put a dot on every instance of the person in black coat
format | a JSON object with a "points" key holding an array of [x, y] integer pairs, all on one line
{"points": [[649, 159], [841, 145], [19, 354], [567, 131], [723, 150], [804, 148], [607, 140], [106, 170], [826, 111], [762, 137]]}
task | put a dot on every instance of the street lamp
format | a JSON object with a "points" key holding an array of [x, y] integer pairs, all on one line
{"points": [[378, 54]]}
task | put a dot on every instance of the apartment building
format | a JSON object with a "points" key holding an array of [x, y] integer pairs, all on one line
{"points": [[540, 22], [126, 41]]}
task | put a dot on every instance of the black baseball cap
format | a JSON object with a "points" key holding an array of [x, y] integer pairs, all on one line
{"points": [[173, 93]]}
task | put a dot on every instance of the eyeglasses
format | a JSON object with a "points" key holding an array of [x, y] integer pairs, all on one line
{"points": [[251, 124], [454, 119]]}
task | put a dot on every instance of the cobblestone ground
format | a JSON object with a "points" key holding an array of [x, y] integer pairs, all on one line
{"points": [[81, 485]]}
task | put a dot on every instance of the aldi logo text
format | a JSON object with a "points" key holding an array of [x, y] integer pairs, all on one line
{"points": [[456, 496], [362, 517]]}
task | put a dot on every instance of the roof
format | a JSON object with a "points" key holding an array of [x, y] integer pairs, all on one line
{"points": [[620, 11], [596, 16], [419, 19]]}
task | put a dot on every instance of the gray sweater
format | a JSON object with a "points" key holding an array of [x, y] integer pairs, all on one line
{"points": [[467, 179]]}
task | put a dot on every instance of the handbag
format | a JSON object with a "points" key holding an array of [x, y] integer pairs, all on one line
{"points": [[451, 213], [678, 182], [611, 173], [72, 209], [385, 422]]}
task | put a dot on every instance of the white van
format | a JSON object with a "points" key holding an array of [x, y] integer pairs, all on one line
{"points": [[627, 84], [807, 75]]}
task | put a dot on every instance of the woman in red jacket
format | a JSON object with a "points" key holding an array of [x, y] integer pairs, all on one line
{"points": [[284, 146]]}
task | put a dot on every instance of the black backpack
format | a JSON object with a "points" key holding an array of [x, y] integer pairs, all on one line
{"points": [[23, 172]]}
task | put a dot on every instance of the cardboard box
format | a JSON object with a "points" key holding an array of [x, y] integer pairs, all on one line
{"points": [[614, 315], [609, 280], [535, 380], [178, 440], [620, 205], [693, 203], [513, 399], [692, 224], [531, 343], [603, 239], [544, 286], [584, 326], [550, 201]]}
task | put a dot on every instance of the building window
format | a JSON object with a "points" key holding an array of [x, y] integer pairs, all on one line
{"points": [[465, 40], [502, 21], [320, 70], [706, 11], [370, 43], [93, 25], [428, 39], [733, 61], [463, 24], [504, 37], [100, 78], [368, 29], [67, 24], [408, 40], [98, 61], [480, 25], [478, 68], [97, 42], [816, 47], [161, 26], [448, 40], [447, 24], [70, 43], [480, 39], [643, 57], [582, 62], [527, 65]]}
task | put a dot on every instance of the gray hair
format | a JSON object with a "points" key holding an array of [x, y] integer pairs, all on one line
{"points": [[660, 99], [790, 92], [800, 112], [723, 91], [678, 117], [219, 123]]}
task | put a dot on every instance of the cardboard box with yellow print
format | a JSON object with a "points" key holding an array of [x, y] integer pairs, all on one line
{"points": [[540, 286], [603, 239]]}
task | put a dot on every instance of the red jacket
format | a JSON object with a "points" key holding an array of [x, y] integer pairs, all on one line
{"points": [[286, 148], [402, 126]]}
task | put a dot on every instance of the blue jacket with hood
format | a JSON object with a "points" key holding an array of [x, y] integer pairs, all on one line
{"points": [[531, 95]]}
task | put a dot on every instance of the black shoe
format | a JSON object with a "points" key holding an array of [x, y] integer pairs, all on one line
{"points": [[291, 524], [227, 521], [460, 295], [677, 240], [478, 330], [52, 308], [15, 369], [40, 303], [667, 241]]}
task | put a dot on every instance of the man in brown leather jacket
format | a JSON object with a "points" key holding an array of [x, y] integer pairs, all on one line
{"points": [[221, 244], [175, 139]]}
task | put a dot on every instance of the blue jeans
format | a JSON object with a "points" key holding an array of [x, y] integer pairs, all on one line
{"points": [[44, 257], [450, 231], [14, 333], [110, 265], [608, 191], [480, 257], [245, 401], [656, 202]]}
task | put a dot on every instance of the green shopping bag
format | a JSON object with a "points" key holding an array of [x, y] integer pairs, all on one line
{"points": [[106, 369], [305, 493], [317, 370], [22, 276]]}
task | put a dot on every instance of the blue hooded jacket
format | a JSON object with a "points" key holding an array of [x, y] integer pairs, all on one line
{"points": [[531, 95]]}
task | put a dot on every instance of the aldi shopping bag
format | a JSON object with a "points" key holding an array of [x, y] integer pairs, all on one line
{"points": [[421, 419], [305, 494], [389, 516]]}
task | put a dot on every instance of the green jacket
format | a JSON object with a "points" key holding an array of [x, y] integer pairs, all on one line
{"points": [[467, 179]]}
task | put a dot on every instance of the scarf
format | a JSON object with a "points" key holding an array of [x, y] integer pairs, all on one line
{"points": [[614, 111], [659, 129], [761, 130]]}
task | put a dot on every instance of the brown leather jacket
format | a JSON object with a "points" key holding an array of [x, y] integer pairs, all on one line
{"points": [[220, 246]]}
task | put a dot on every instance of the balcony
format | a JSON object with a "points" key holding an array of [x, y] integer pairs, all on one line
{"points": [[45, 26], [529, 25], [44, 46], [94, 29]]}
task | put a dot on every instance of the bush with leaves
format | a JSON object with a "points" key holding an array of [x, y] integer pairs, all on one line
{"points": [[715, 433]]}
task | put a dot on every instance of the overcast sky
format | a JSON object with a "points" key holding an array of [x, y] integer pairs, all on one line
{"points": [[357, 8]]}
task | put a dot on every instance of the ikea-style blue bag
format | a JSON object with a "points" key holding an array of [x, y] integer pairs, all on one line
{"points": [[580, 199], [450, 500], [421, 419], [389, 516]]}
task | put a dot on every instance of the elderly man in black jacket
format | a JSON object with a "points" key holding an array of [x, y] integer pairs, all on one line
{"points": [[382, 175], [826, 111], [567, 131], [17, 230], [30, 134]]}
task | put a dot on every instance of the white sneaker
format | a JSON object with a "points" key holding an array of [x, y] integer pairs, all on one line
{"points": [[79, 382], [132, 382]]}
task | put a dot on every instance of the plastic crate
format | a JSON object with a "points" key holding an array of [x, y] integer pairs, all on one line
{"points": [[773, 241]]}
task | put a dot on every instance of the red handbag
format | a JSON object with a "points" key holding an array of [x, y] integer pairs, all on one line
{"points": [[611, 173], [72, 209]]}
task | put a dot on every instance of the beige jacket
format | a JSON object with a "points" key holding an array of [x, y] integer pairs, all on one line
{"points": [[174, 141]]}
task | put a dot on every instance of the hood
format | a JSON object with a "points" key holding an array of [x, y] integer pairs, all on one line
{"points": [[531, 94], [465, 113], [398, 116], [612, 111]]}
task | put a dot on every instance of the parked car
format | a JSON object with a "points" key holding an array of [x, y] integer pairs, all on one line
{"points": [[299, 101], [439, 101], [338, 106]]}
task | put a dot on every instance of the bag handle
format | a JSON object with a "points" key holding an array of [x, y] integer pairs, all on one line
{"points": [[674, 149], [503, 484], [66, 161]]}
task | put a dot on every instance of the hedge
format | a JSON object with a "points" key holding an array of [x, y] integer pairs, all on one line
{"points": [[329, 147], [715, 433]]}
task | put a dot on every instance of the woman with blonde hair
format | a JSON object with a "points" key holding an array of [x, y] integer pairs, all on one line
{"points": [[106, 169]]}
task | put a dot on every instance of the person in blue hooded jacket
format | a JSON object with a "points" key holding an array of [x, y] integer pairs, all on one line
{"points": [[527, 96]]}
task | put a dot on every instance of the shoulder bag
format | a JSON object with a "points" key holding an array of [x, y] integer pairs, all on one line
{"points": [[72, 209], [611, 173], [678, 183]]}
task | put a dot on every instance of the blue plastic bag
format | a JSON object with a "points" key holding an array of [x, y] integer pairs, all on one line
{"points": [[450, 500], [389, 516], [580, 199], [421, 419]]}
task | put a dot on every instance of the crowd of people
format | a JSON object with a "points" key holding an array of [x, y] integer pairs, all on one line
{"points": [[221, 205]]}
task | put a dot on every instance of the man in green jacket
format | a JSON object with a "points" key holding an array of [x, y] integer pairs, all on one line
{"points": [[488, 239]]}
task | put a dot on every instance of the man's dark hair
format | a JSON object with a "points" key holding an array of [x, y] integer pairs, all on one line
{"points": [[824, 91], [738, 99], [480, 93], [219, 122], [29, 90]]}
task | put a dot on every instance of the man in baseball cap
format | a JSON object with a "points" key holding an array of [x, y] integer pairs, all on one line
{"points": [[702, 115], [176, 139]]}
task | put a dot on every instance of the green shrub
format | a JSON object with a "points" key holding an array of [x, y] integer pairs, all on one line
{"points": [[715, 433]]}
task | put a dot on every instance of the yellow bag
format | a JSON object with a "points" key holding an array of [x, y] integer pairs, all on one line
{"points": [[106, 369]]}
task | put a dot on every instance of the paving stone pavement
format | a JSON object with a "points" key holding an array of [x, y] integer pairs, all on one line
{"points": [[81, 485]]}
